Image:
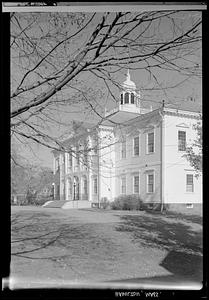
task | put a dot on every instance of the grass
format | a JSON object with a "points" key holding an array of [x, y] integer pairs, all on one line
{"points": [[97, 245], [163, 232]]}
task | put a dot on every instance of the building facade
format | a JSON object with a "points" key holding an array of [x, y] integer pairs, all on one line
{"points": [[134, 151]]}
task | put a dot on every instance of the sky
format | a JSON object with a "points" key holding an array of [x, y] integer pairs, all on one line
{"points": [[41, 155]]}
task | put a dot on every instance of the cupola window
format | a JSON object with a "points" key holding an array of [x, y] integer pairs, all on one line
{"points": [[121, 99], [126, 98], [132, 98]]}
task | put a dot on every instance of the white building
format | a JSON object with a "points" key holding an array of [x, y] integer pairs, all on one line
{"points": [[135, 151]]}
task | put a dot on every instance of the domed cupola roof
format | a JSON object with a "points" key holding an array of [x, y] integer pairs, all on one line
{"points": [[128, 84]]}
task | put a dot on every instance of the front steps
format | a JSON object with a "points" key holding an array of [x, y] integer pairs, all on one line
{"points": [[68, 204]]}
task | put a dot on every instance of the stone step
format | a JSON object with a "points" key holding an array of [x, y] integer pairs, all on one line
{"points": [[77, 204]]}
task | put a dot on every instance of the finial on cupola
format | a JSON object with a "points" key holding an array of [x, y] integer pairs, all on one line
{"points": [[128, 84], [128, 76]]}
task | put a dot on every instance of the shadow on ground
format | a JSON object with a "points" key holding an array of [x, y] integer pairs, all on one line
{"points": [[160, 233], [182, 241], [185, 269], [179, 216]]}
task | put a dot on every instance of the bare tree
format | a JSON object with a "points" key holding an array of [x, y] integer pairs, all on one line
{"points": [[28, 180], [64, 64]]}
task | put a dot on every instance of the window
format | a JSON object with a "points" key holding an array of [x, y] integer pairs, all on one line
{"points": [[181, 140], [70, 160], [121, 99], [123, 149], [85, 158], [150, 183], [77, 156], [69, 188], [132, 98], [136, 146], [126, 98], [189, 183], [95, 187], [123, 185], [150, 142], [136, 184]]}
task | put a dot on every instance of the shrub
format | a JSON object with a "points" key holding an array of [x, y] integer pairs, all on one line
{"points": [[127, 202], [104, 203]]}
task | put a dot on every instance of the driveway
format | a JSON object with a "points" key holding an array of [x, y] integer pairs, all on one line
{"points": [[99, 247]]}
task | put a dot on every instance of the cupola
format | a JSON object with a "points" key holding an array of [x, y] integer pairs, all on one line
{"points": [[128, 105], [128, 94]]}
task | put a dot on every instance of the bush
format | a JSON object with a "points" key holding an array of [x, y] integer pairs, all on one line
{"points": [[127, 202], [104, 203]]}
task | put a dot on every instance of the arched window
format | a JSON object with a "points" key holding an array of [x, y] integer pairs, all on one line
{"points": [[70, 189], [121, 99], [132, 98], [76, 188], [126, 98]]}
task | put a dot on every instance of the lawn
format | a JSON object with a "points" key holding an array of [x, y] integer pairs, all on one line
{"points": [[77, 246]]}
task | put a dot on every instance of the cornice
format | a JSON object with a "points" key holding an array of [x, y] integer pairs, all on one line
{"points": [[184, 114]]}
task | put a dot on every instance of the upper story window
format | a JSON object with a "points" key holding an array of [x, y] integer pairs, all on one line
{"points": [[126, 98], [85, 158], [181, 140], [77, 156], [57, 164], [150, 142], [70, 159], [132, 98], [136, 146], [150, 182], [189, 183], [123, 149], [123, 185]]}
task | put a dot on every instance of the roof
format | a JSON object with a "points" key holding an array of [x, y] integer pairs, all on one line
{"points": [[80, 130]]}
